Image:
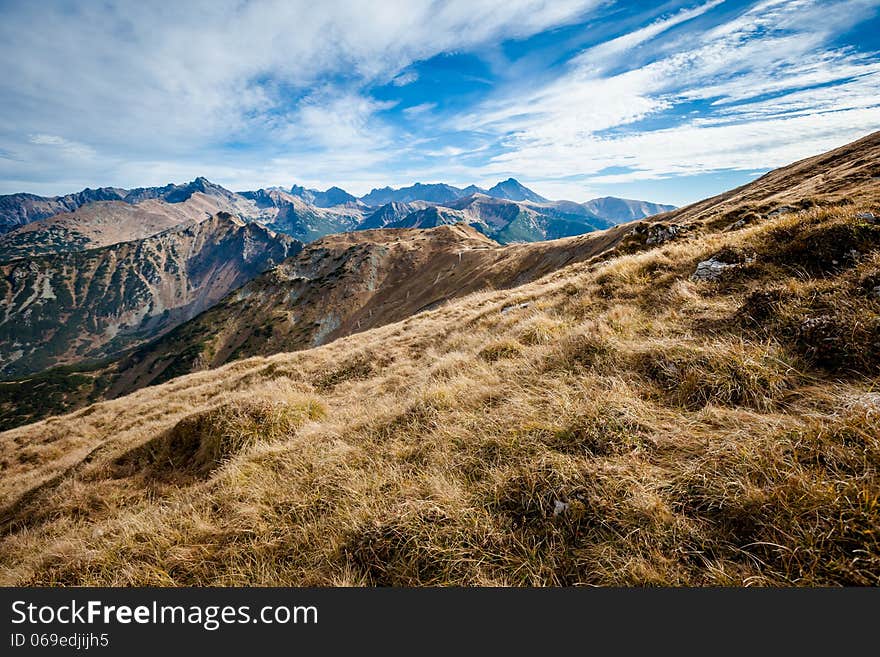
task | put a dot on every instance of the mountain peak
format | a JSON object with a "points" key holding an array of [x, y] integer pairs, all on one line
{"points": [[327, 199], [513, 190]]}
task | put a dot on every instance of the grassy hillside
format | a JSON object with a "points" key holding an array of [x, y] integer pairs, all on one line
{"points": [[698, 407]]}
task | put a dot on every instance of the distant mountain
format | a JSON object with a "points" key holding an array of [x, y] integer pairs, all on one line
{"points": [[19, 209], [389, 214], [512, 190], [430, 217], [294, 216], [620, 210], [433, 193], [327, 199], [109, 222], [71, 306], [444, 194], [506, 221], [178, 193]]}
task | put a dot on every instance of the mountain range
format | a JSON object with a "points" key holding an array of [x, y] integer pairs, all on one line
{"points": [[686, 399], [309, 214]]}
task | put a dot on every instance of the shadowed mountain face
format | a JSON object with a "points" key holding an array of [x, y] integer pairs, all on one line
{"points": [[433, 193], [295, 217], [510, 189], [79, 305]]}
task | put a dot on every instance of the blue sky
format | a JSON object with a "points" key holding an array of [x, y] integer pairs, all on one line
{"points": [[668, 102]]}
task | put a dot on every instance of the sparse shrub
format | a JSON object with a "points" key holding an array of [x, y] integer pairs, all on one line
{"points": [[804, 504], [199, 443], [821, 248], [728, 374], [500, 349], [829, 325], [599, 434], [357, 368], [540, 330], [419, 547], [577, 351]]}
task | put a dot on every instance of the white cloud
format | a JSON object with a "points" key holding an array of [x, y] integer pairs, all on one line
{"points": [[421, 108], [155, 82], [773, 48], [405, 78]]}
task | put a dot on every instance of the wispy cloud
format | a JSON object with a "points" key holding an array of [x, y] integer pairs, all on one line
{"points": [[771, 93]]}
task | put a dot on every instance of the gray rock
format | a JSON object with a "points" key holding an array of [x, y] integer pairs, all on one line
{"points": [[710, 270], [867, 216], [785, 209], [876, 291], [515, 306], [660, 233], [559, 508]]}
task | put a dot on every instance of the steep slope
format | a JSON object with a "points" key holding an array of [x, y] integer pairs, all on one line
{"points": [[624, 420], [337, 286], [621, 210], [72, 306]]}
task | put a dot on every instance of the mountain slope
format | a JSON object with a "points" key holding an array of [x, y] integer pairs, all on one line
{"points": [[103, 223], [341, 285], [620, 421], [850, 173], [338, 285], [503, 220], [621, 210], [389, 214], [20, 209], [72, 306]]}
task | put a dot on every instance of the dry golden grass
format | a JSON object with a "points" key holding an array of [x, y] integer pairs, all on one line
{"points": [[628, 426]]}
